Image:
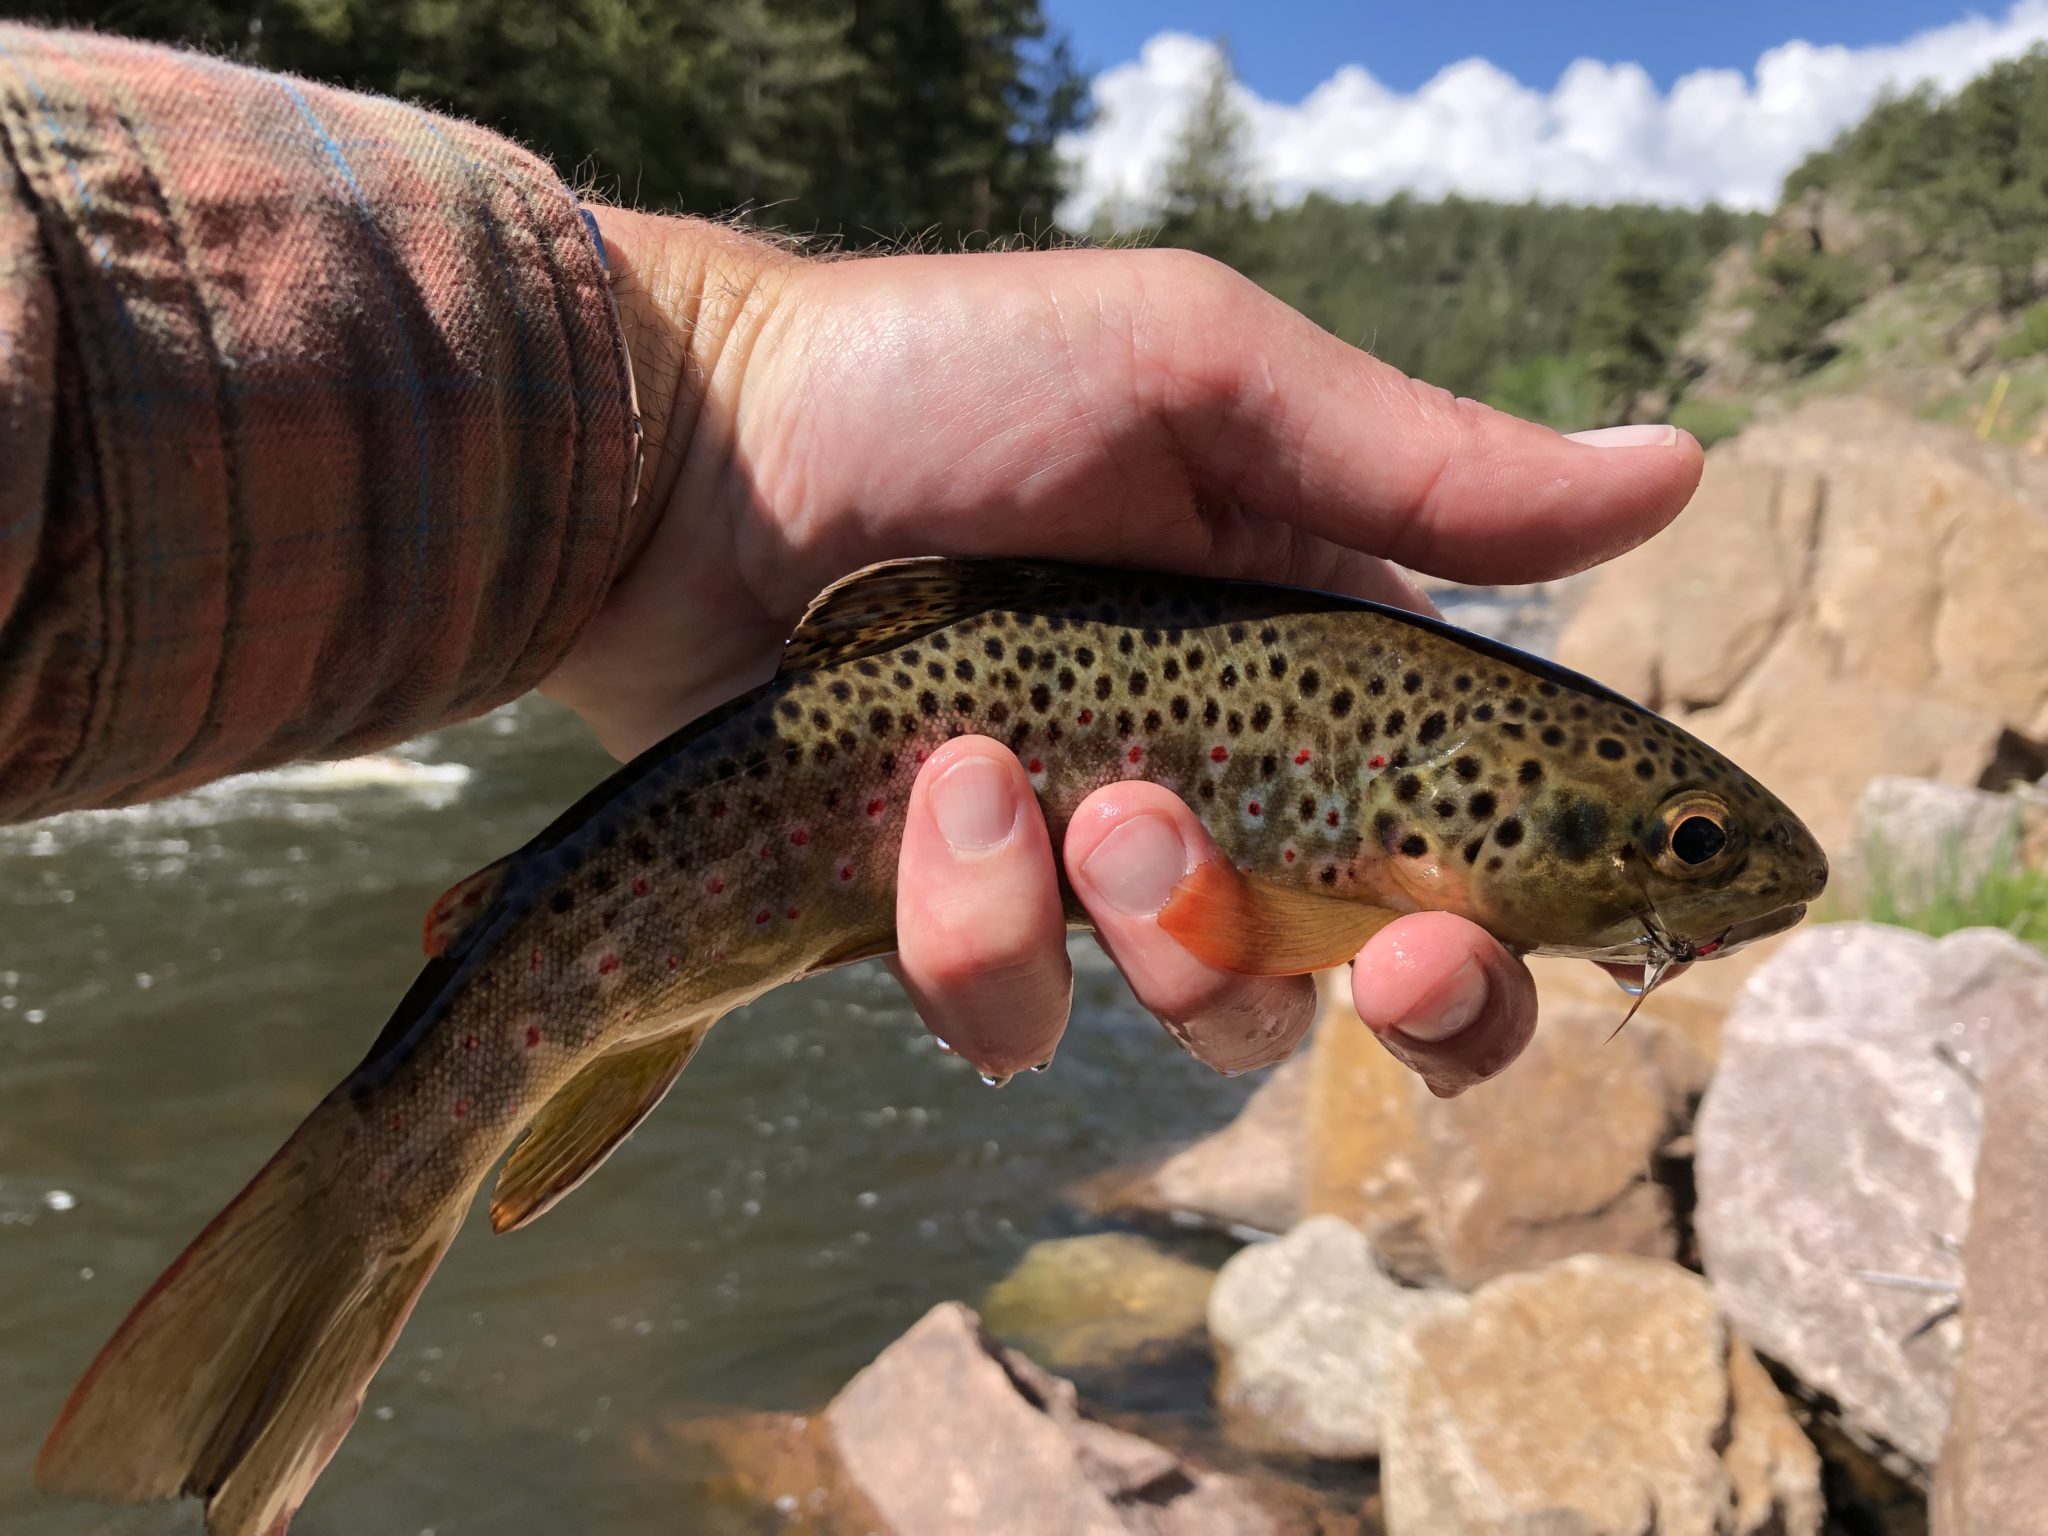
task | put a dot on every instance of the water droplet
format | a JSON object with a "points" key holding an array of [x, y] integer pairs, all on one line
{"points": [[995, 1080], [867, 1199], [86, 1273], [1043, 1065], [942, 1045], [786, 1504], [144, 981], [383, 1413], [60, 1199], [1630, 988], [35, 1016]]}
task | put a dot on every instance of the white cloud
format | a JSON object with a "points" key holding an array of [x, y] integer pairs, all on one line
{"points": [[1603, 133]]}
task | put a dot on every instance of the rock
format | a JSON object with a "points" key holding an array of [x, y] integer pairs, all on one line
{"points": [[1851, 593], [1553, 1157], [743, 1464], [947, 1432], [1599, 1395], [1245, 1180], [1097, 1301], [1838, 1137], [1915, 838], [1993, 1480], [1302, 1329]]}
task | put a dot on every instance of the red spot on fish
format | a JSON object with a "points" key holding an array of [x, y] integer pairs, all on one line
{"points": [[1136, 754], [536, 961], [800, 837], [469, 1042], [1377, 761], [1086, 717], [1332, 818], [1301, 757], [718, 808], [1707, 949], [673, 962], [1288, 855], [767, 850], [532, 1036], [923, 754], [877, 805], [461, 1108], [1034, 766], [1255, 809], [845, 873], [761, 917], [607, 964], [715, 886], [792, 914], [1219, 754], [640, 886]]}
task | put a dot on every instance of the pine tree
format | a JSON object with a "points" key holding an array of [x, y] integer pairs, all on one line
{"points": [[1208, 198], [1635, 312]]}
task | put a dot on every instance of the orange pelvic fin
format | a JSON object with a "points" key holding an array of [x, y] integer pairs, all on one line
{"points": [[1239, 922]]}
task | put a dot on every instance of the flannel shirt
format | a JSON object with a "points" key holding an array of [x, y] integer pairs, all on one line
{"points": [[314, 421]]}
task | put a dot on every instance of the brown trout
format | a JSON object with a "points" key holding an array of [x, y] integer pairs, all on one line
{"points": [[1353, 763]]}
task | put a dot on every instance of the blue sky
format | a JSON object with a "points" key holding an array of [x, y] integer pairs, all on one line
{"points": [[1587, 101], [1283, 48]]}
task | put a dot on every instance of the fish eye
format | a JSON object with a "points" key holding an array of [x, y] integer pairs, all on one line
{"points": [[1693, 835], [1697, 839]]}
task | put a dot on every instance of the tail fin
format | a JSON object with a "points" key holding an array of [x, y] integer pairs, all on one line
{"points": [[238, 1374]]}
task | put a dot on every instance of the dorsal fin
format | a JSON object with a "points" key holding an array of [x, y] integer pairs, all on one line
{"points": [[881, 606], [461, 905]]}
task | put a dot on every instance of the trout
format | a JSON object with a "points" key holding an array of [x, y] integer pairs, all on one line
{"points": [[1353, 762]]}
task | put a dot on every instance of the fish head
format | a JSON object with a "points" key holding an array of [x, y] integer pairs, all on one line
{"points": [[1634, 868]]}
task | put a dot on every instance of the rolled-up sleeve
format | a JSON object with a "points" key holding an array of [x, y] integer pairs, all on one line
{"points": [[314, 421]]}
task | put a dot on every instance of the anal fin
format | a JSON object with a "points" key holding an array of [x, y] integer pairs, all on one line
{"points": [[1238, 922], [582, 1125]]}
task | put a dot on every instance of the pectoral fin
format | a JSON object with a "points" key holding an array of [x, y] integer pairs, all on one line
{"points": [[1239, 922], [583, 1125]]}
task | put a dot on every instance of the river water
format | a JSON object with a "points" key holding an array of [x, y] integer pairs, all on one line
{"points": [[179, 984]]}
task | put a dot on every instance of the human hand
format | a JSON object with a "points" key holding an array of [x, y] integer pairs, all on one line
{"points": [[1137, 408]]}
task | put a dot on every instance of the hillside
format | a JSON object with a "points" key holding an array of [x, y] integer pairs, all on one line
{"points": [[1907, 260]]}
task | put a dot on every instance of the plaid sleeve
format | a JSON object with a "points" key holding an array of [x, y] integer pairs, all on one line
{"points": [[314, 422]]}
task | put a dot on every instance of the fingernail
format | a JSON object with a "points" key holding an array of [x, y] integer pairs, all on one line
{"points": [[1645, 435], [1450, 1008], [975, 805], [1137, 866]]}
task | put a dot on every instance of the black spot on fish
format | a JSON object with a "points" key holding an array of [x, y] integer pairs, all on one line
{"points": [[880, 720], [1340, 703], [1125, 644], [1152, 721], [842, 690], [1124, 723], [1138, 684], [928, 702], [1462, 682], [1411, 682], [1445, 809], [964, 670], [1397, 721], [1268, 766], [1548, 690], [1084, 656], [1577, 828], [1041, 698], [1277, 665], [936, 671], [1471, 850], [963, 704], [1481, 805], [1467, 768], [791, 709], [1308, 682], [1530, 771], [1179, 707], [1386, 827], [1268, 635], [1308, 807], [1196, 658], [1211, 712], [1103, 686], [1228, 676], [992, 648], [1516, 706], [1553, 735], [1262, 717], [1170, 669], [1407, 787], [1611, 749], [1645, 769], [1328, 875], [1026, 656], [901, 679], [1509, 832], [1066, 679], [1234, 724], [1432, 727], [1482, 712], [1414, 845], [1375, 686]]}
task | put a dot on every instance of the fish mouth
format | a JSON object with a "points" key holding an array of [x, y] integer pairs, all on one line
{"points": [[1757, 928]]}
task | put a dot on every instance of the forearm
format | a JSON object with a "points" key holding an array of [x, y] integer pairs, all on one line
{"points": [[314, 425]]}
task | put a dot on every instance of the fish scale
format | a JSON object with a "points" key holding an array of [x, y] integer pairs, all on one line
{"points": [[1351, 762]]}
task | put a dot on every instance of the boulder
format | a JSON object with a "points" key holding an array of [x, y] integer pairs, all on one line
{"points": [[1993, 1478], [1302, 1329], [1852, 592], [1512, 1413], [1245, 1179], [1553, 1157], [1916, 838], [1097, 1301], [1835, 1148], [947, 1432]]}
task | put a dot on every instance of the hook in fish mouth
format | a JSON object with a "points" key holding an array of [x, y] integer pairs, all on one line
{"points": [[1665, 951]]}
